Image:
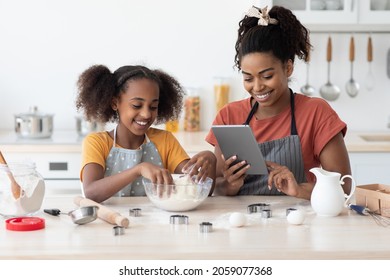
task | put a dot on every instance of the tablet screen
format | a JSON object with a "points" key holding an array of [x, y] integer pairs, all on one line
{"points": [[239, 140]]}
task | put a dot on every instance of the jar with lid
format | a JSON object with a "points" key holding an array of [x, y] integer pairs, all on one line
{"points": [[32, 189], [192, 110]]}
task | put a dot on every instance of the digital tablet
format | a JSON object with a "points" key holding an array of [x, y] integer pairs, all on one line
{"points": [[239, 140]]}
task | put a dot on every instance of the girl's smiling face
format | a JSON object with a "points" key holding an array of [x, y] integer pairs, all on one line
{"points": [[265, 77], [138, 105]]}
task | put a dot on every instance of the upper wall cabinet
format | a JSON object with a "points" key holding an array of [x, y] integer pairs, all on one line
{"points": [[374, 11], [323, 14]]}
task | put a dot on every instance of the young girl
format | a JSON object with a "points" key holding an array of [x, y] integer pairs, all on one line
{"points": [[114, 162], [295, 132]]}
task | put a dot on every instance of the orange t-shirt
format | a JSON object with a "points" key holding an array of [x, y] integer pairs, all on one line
{"points": [[317, 123], [97, 146]]}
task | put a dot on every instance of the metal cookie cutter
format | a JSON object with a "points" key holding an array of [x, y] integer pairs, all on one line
{"points": [[288, 210], [257, 207], [205, 227], [266, 213], [135, 212], [178, 219], [118, 230]]}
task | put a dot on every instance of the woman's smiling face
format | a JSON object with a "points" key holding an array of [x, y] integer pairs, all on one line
{"points": [[265, 77], [138, 105]]}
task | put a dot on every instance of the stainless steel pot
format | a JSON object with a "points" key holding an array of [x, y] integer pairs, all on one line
{"points": [[34, 124], [84, 126]]}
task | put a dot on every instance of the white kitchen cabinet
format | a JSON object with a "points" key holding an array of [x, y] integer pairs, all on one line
{"points": [[308, 12], [370, 168], [368, 15], [57, 159], [331, 12], [59, 170]]}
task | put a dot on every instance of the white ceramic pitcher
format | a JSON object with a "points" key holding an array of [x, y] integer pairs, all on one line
{"points": [[328, 198]]}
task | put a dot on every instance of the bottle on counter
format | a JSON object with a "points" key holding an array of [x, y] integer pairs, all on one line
{"points": [[221, 92], [192, 110], [172, 126]]}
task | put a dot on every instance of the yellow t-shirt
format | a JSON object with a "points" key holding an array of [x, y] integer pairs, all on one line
{"points": [[96, 147]]}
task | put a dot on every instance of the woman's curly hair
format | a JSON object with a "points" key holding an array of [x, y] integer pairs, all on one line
{"points": [[286, 39], [97, 88]]}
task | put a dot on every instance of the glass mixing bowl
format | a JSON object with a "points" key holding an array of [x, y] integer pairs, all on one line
{"points": [[184, 195]]}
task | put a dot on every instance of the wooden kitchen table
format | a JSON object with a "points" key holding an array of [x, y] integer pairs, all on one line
{"points": [[151, 236]]}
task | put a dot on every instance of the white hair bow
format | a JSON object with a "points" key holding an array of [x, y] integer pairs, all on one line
{"points": [[263, 16]]}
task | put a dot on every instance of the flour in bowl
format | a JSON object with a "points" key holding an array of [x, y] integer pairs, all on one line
{"points": [[184, 195]]}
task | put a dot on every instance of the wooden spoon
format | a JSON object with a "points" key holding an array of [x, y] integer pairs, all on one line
{"points": [[352, 87], [16, 189], [370, 81], [329, 91]]}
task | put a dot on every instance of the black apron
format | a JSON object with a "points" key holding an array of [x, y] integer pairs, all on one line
{"points": [[285, 151]]}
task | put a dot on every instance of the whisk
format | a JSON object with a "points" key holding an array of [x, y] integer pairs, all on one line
{"points": [[380, 220]]}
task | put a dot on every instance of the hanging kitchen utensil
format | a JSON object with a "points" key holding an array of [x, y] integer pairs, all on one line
{"points": [[329, 91], [370, 81], [388, 63], [352, 87], [307, 89], [16, 189], [80, 216]]}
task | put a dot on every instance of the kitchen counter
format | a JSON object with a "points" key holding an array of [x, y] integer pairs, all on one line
{"points": [[60, 141], [368, 141], [151, 236], [70, 141], [369, 154], [192, 142]]}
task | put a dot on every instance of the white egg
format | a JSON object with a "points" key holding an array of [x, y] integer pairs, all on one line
{"points": [[296, 217], [237, 219]]}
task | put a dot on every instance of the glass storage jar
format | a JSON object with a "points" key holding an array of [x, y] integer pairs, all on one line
{"points": [[172, 126], [192, 111], [221, 92], [32, 189]]}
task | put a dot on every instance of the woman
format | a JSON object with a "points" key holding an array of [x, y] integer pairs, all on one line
{"points": [[295, 132]]}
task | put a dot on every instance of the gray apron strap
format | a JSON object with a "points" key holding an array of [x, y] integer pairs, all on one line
{"points": [[120, 159], [285, 151]]}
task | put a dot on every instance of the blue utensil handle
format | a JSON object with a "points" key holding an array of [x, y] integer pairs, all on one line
{"points": [[358, 209]]}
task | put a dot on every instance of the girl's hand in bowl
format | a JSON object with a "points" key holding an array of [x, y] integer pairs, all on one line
{"points": [[201, 165]]}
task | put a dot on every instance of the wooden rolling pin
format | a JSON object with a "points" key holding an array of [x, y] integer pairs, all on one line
{"points": [[104, 212]]}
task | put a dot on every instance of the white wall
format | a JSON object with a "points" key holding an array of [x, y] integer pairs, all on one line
{"points": [[369, 110], [46, 44]]}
